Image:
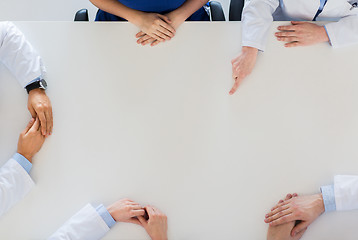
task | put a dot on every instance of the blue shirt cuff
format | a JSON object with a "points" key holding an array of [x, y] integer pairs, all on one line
{"points": [[105, 215], [23, 162], [35, 80], [328, 198], [329, 39]]}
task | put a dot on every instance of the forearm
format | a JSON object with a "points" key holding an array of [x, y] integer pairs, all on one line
{"points": [[346, 192], [18, 55], [188, 8], [116, 8], [15, 183], [85, 224], [256, 22], [344, 32]]}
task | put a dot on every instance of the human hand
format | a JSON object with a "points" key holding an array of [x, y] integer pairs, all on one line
{"points": [[283, 231], [126, 210], [155, 26], [30, 140], [175, 21], [301, 34], [242, 66], [39, 106], [156, 226], [303, 208]]}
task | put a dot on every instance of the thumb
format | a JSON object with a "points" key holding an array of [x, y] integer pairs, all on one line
{"points": [[165, 18], [32, 111], [135, 221], [142, 221], [29, 125], [297, 22], [298, 228], [300, 234]]}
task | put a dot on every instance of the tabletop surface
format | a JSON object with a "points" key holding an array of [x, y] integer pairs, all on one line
{"points": [[157, 125]]}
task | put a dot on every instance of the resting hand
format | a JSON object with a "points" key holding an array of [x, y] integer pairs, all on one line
{"points": [[283, 231], [305, 208], [242, 66], [301, 34], [175, 21], [126, 210], [39, 106], [156, 26], [156, 226], [30, 140]]}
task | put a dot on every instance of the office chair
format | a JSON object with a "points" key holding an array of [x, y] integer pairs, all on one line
{"points": [[216, 12], [235, 11], [81, 15]]}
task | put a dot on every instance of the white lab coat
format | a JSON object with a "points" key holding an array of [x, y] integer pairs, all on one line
{"points": [[346, 192], [258, 15], [17, 54], [87, 224], [15, 183]]}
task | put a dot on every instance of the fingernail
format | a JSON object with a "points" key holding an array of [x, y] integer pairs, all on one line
{"points": [[266, 215]]}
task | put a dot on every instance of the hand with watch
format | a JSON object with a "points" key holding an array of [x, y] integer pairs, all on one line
{"points": [[39, 105]]}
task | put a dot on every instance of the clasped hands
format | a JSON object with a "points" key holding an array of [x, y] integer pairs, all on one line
{"points": [[290, 218], [156, 28], [149, 217]]}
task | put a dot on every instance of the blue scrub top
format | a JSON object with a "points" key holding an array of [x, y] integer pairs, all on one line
{"points": [[157, 6], [153, 5]]}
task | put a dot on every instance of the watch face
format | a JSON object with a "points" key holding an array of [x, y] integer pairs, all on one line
{"points": [[43, 84]]}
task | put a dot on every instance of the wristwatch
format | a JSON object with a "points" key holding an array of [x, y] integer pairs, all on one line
{"points": [[42, 84]]}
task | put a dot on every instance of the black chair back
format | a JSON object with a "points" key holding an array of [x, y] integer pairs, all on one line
{"points": [[217, 13], [81, 15], [235, 11]]}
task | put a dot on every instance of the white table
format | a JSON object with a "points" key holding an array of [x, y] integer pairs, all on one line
{"points": [[157, 125]]}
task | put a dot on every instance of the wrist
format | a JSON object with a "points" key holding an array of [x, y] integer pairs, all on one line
{"points": [[27, 156], [136, 17], [111, 211], [320, 204], [324, 34], [159, 237], [37, 91], [249, 50], [177, 16]]}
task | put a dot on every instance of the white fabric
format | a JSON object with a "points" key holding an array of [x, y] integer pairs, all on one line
{"points": [[258, 15], [87, 224], [346, 192], [17, 54], [15, 183]]}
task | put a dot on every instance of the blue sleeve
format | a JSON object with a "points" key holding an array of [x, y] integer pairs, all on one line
{"points": [[106, 216], [327, 35], [328, 198], [23, 162]]}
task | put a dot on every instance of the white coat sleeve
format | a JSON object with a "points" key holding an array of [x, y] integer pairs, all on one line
{"points": [[344, 32], [87, 224], [15, 183], [17, 54], [256, 22], [346, 192]]}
